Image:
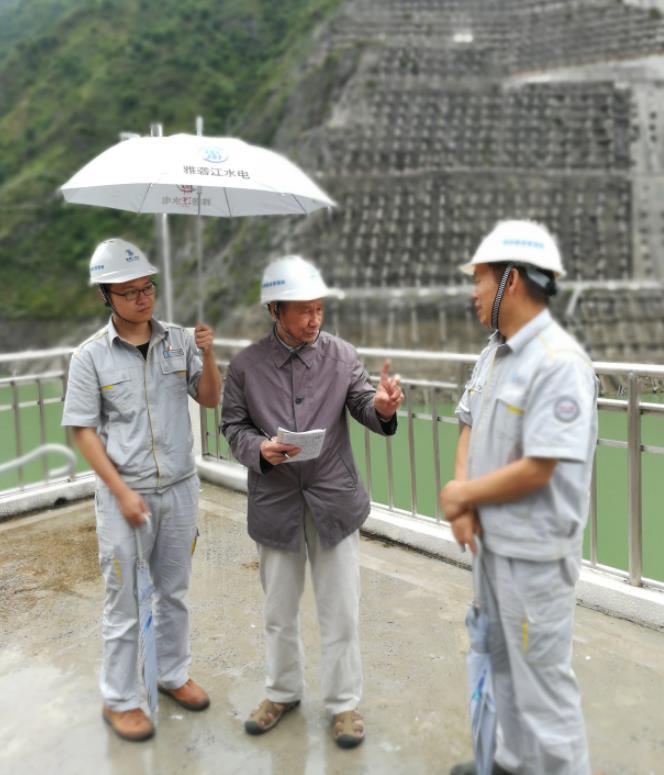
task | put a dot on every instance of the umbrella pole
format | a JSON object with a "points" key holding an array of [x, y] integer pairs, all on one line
{"points": [[200, 306], [199, 239], [163, 235]]}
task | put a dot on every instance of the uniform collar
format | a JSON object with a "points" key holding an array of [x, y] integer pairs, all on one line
{"points": [[281, 352], [158, 331], [528, 332]]}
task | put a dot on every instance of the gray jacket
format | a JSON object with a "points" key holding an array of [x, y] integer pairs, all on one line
{"points": [[268, 386]]}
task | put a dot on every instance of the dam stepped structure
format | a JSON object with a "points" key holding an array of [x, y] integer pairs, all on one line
{"points": [[457, 114]]}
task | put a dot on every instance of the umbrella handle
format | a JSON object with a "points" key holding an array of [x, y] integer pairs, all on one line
{"points": [[477, 573], [137, 531]]}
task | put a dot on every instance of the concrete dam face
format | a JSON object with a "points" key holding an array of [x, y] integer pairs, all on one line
{"points": [[430, 121]]}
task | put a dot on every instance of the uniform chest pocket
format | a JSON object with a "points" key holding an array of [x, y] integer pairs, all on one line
{"points": [[510, 410], [117, 390], [174, 375]]}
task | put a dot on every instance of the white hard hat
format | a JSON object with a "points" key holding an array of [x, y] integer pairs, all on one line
{"points": [[292, 278], [117, 261], [521, 242]]}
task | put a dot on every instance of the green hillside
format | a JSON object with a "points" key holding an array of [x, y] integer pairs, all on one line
{"points": [[21, 20], [73, 73]]}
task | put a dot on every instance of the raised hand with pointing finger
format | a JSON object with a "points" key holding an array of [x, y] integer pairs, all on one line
{"points": [[389, 395]]}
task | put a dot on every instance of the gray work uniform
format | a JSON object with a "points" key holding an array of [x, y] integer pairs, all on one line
{"points": [[310, 510], [534, 396], [139, 408]]}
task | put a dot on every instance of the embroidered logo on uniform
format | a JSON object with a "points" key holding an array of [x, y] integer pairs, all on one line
{"points": [[172, 353], [566, 409]]}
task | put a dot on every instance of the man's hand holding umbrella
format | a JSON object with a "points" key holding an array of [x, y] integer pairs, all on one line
{"points": [[464, 521], [209, 383], [204, 337]]}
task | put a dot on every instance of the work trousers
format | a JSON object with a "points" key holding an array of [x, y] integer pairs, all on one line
{"points": [[531, 615], [167, 546], [336, 579]]}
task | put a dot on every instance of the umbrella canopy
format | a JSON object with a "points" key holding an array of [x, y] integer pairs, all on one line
{"points": [[195, 175], [147, 646], [482, 705]]}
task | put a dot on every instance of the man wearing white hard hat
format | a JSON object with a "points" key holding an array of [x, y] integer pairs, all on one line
{"points": [[301, 378], [127, 403], [523, 469]]}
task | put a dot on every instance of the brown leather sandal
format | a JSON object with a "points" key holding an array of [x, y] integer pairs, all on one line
{"points": [[348, 729], [267, 715]]}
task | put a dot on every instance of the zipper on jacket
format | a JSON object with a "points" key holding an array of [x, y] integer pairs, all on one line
{"points": [[147, 404]]}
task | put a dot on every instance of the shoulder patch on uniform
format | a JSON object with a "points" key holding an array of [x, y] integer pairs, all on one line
{"points": [[566, 409]]}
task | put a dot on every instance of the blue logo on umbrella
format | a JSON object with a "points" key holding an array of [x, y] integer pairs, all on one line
{"points": [[215, 154]]}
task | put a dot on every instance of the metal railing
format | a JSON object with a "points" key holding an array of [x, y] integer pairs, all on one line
{"points": [[438, 392], [18, 404], [424, 399], [46, 449]]}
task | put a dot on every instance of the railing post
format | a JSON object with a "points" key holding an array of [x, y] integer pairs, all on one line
{"points": [[390, 482], [42, 425], [411, 449], [204, 446], [367, 461], [593, 513], [634, 480], [436, 450], [217, 433], [17, 430]]}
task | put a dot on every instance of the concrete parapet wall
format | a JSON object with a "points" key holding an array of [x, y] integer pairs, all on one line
{"points": [[45, 496]]}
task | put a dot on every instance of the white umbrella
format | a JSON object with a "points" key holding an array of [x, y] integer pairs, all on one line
{"points": [[482, 704], [178, 174], [195, 175], [147, 646]]}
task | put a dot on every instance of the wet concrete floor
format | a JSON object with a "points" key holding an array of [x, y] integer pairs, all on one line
{"points": [[413, 642]]}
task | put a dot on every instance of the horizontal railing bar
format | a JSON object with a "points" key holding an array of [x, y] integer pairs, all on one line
{"points": [[617, 444], [426, 383], [31, 377], [29, 404], [612, 443], [652, 449], [35, 355], [647, 407], [420, 355], [606, 368]]}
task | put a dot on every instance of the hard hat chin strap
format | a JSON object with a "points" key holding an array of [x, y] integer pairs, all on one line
{"points": [[499, 296], [107, 296]]}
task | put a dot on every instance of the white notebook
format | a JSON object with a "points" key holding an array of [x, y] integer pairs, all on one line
{"points": [[310, 442]]}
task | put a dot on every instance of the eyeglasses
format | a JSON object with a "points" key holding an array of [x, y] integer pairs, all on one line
{"points": [[133, 293]]}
